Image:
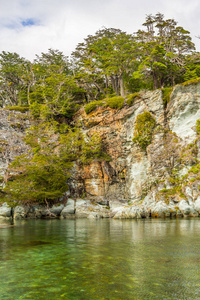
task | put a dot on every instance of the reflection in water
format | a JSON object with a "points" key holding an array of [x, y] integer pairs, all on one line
{"points": [[100, 259]]}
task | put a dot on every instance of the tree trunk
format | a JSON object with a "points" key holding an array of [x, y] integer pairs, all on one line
{"points": [[121, 84], [115, 83], [28, 93], [100, 89], [155, 81], [106, 82]]}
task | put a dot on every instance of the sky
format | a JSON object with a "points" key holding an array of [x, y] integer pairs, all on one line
{"points": [[31, 27]]}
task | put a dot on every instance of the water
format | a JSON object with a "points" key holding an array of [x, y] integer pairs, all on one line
{"points": [[100, 259]]}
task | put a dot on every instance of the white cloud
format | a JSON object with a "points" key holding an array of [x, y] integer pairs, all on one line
{"points": [[62, 24]]}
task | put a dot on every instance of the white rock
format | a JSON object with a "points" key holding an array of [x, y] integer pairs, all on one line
{"points": [[184, 111], [69, 208], [197, 205], [5, 211], [160, 210], [128, 212], [56, 209], [187, 209], [188, 192]]}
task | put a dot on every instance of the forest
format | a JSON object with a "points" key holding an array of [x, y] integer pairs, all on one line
{"points": [[109, 68]]}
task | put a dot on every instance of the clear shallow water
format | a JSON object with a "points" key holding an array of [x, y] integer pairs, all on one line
{"points": [[100, 259]]}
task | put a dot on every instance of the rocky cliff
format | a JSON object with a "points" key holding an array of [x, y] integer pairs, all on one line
{"points": [[13, 125], [161, 180]]}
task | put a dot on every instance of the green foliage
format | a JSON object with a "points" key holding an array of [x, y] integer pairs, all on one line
{"points": [[22, 109], [89, 107], [163, 52], [115, 102], [130, 98], [52, 94], [198, 126], [192, 180], [41, 176], [168, 193], [192, 81], [144, 126], [106, 58], [183, 196], [14, 80], [195, 169], [166, 93]]}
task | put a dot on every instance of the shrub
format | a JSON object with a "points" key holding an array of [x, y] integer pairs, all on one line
{"points": [[89, 107], [192, 81], [144, 126], [195, 169], [198, 126], [166, 92], [22, 109], [131, 98], [115, 102]]}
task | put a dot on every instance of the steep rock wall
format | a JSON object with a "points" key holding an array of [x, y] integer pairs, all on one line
{"points": [[145, 178], [164, 180], [12, 130]]}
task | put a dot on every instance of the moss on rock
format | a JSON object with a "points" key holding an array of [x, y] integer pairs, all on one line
{"points": [[130, 98], [144, 126]]}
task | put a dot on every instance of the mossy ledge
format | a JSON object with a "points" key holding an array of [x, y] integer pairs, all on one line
{"points": [[116, 102]]}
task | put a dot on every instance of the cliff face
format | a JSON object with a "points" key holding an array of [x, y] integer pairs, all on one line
{"points": [[161, 181], [12, 130], [153, 177]]}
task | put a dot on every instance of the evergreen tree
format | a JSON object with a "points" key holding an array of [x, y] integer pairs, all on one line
{"points": [[106, 58]]}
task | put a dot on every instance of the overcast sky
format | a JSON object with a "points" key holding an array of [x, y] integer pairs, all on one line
{"points": [[30, 27]]}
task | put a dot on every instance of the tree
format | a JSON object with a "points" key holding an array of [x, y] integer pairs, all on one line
{"points": [[41, 176], [54, 91], [162, 49], [106, 58], [14, 79]]}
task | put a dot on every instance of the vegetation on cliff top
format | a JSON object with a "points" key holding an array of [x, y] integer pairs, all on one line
{"points": [[107, 64]]}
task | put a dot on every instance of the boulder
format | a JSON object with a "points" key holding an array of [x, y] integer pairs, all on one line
{"points": [[20, 212], [56, 209], [39, 211], [128, 212], [69, 208], [184, 207], [187, 210], [5, 211], [197, 204], [160, 209]]}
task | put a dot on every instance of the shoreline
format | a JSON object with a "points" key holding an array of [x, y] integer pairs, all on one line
{"points": [[85, 208]]}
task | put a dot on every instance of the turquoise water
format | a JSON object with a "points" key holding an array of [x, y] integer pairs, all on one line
{"points": [[100, 259]]}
